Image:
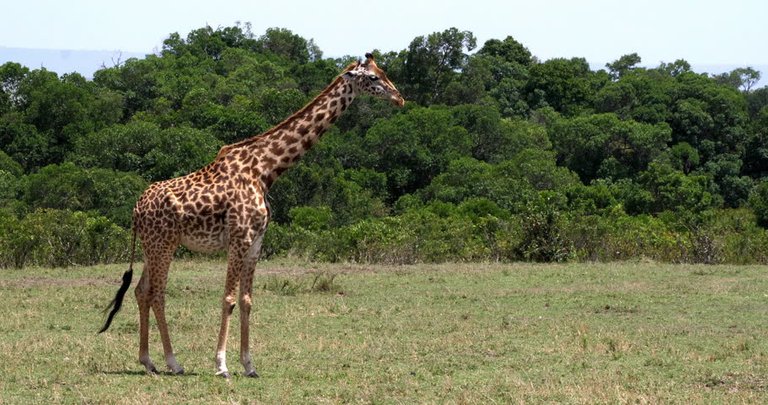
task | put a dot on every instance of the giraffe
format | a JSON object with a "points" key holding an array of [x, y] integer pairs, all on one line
{"points": [[223, 206]]}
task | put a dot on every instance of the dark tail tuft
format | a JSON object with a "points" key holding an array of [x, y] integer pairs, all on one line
{"points": [[118, 301]]}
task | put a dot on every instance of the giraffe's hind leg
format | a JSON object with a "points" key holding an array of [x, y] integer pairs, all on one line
{"points": [[249, 259], [150, 293], [142, 298]]}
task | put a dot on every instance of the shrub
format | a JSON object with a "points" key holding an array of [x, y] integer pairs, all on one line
{"points": [[61, 238], [543, 239], [618, 236], [311, 218], [758, 201]]}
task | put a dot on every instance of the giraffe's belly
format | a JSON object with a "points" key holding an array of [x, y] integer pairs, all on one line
{"points": [[205, 242]]}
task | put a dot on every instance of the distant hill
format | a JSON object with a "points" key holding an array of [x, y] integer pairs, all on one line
{"points": [[65, 61]]}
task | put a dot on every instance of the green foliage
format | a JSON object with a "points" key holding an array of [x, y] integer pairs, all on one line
{"points": [[672, 190], [623, 65], [758, 201], [740, 78], [283, 43], [311, 218], [603, 146], [60, 238], [7, 164], [495, 139], [106, 192], [618, 236], [145, 148], [430, 64], [497, 155], [414, 147], [567, 85], [543, 239]]}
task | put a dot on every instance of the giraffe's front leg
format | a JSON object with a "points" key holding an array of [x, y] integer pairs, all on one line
{"points": [[246, 302]]}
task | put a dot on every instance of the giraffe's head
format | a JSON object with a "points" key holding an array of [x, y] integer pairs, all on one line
{"points": [[367, 78]]}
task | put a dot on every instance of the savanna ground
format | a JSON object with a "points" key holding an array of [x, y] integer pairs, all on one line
{"points": [[452, 333]]}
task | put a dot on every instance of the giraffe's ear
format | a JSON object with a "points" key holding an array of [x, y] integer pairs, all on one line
{"points": [[368, 60]]}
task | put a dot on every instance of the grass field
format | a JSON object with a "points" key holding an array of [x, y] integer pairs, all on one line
{"points": [[453, 333]]}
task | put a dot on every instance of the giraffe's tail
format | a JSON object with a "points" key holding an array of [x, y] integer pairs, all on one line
{"points": [[117, 302]]}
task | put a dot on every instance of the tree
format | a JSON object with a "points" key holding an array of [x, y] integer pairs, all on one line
{"points": [[58, 109], [512, 184], [142, 147], [111, 194], [502, 68], [675, 68], [539, 169], [119, 147], [684, 157], [708, 116], [741, 78], [11, 76], [413, 147], [431, 63], [603, 146], [8, 165], [314, 76], [756, 102], [283, 43], [508, 50], [495, 139], [623, 65], [180, 151], [756, 150], [311, 185], [672, 190], [725, 170], [567, 85], [467, 178], [135, 80], [619, 97]]}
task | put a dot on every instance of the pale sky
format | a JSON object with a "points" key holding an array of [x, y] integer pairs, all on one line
{"points": [[701, 32]]}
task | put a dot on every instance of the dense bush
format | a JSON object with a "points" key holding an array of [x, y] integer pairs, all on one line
{"points": [[52, 238]]}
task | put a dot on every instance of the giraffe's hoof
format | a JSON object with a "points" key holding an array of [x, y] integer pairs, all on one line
{"points": [[180, 371], [252, 374], [153, 371], [224, 374]]}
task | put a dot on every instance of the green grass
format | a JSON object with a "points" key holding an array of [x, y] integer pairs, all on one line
{"points": [[453, 333]]}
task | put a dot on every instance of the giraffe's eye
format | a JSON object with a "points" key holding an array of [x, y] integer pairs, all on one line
{"points": [[373, 77]]}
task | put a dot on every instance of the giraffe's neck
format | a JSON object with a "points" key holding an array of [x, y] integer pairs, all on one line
{"points": [[272, 153]]}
